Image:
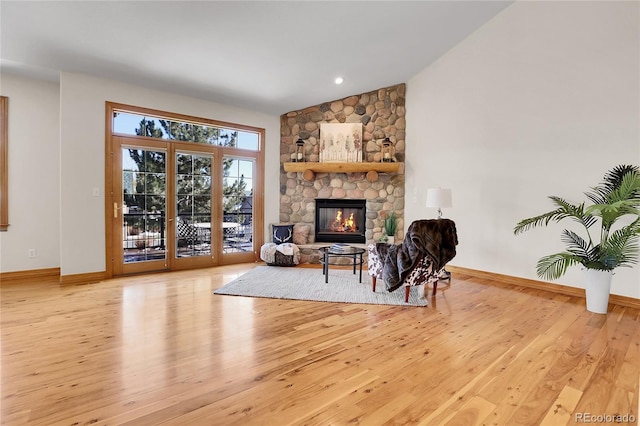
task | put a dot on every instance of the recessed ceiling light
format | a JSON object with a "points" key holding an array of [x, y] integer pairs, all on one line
{"points": [[339, 80]]}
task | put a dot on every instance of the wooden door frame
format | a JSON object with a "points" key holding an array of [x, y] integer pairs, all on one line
{"points": [[176, 264], [258, 207], [258, 183], [115, 193]]}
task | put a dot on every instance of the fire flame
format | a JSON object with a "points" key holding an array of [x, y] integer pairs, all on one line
{"points": [[346, 225]]}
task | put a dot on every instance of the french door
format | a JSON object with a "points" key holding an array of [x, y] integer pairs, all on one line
{"points": [[176, 206], [140, 208]]}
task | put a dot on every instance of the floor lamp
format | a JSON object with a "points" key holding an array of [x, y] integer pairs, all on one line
{"points": [[439, 198]]}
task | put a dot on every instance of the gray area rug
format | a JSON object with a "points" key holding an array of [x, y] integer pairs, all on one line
{"points": [[308, 284]]}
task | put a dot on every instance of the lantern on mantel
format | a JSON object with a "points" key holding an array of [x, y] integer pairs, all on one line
{"points": [[387, 155], [299, 155]]}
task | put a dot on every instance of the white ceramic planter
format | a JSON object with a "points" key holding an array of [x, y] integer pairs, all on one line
{"points": [[597, 285]]}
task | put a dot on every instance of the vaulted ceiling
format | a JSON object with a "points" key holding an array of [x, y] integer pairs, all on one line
{"points": [[266, 56]]}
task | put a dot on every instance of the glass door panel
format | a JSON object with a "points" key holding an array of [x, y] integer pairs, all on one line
{"points": [[193, 205], [143, 205], [237, 202]]}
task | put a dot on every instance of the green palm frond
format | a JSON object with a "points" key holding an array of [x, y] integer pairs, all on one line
{"points": [[576, 244], [564, 210], [554, 266], [619, 201], [611, 213], [612, 180], [622, 246], [629, 189]]}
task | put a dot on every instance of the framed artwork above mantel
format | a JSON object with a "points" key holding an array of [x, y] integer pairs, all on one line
{"points": [[340, 143]]}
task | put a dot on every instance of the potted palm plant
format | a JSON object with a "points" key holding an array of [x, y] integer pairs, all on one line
{"points": [[615, 245]]}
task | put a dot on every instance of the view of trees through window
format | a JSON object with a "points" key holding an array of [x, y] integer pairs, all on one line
{"points": [[145, 177], [236, 189], [141, 125], [144, 183], [236, 186]]}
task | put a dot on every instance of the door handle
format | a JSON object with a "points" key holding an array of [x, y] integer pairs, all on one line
{"points": [[115, 210]]}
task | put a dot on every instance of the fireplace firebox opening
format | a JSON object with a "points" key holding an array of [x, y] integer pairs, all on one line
{"points": [[340, 221]]}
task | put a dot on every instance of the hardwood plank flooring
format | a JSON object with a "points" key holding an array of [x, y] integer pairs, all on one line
{"points": [[163, 349]]}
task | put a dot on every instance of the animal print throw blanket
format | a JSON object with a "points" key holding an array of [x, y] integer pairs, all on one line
{"points": [[436, 238]]}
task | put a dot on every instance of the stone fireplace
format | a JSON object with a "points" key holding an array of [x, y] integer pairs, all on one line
{"points": [[382, 114], [341, 221]]}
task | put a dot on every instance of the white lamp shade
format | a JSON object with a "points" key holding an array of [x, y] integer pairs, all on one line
{"points": [[439, 197]]}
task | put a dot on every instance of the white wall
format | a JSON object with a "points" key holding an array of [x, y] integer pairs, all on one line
{"points": [[540, 101], [34, 183]]}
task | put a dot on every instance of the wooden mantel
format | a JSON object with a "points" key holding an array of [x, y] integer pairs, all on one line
{"points": [[371, 169]]}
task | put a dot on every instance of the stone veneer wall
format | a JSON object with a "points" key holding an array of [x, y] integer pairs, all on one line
{"points": [[382, 114]]}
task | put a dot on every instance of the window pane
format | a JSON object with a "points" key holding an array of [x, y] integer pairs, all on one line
{"points": [[155, 183], [137, 182], [155, 204], [143, 205], [202, 204], [154, 161], [212, 134], [131, 159], [248, 140], [138, 125], [184, 164], [202, 166], [184, 185], [228, 137], [150, 127], [182, 131], [202, 185], [141, 125], [193, 203], [126, 123], [238, 204], [185, 205], [190, 132]]}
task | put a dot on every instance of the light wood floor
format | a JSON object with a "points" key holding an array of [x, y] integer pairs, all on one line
{"points": [[162, 349]]}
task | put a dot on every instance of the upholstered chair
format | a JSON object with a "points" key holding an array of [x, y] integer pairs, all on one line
{"points": [[428, 246], [421, 274]]}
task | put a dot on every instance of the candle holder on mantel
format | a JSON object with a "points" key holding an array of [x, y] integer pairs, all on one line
{"points": [[387, 155], [298, 156]]}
